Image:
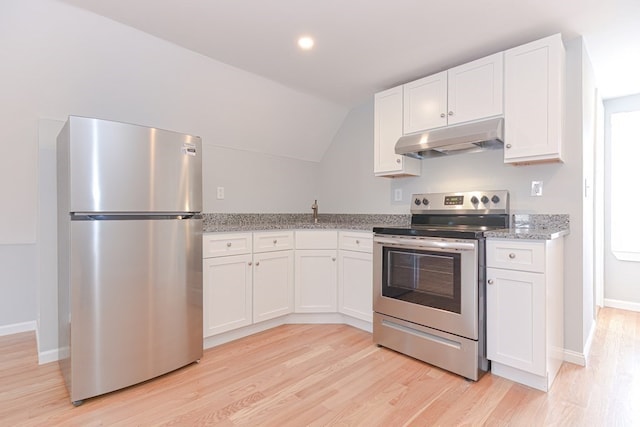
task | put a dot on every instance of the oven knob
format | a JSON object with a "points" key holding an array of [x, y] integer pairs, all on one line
{"points": [[417, 202], [425, 201], [474, 200], [495, 199], [484, 199]]}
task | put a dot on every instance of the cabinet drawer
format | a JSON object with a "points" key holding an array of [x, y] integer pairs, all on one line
{"points": [[272, 241], [516, 255], [215, 244], [316, 239], [352, 241]]}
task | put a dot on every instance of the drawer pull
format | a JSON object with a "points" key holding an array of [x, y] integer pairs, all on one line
{"points": [[490, 281], [228, 244], [512, 255]]}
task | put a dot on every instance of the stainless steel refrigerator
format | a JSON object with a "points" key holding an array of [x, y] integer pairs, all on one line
{"points": [[130, 254]]}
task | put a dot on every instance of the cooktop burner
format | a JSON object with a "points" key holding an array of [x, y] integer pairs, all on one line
{"points": [[454, 215]]}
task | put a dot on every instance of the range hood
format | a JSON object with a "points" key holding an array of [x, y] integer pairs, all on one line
{"points": [[464, 138]]}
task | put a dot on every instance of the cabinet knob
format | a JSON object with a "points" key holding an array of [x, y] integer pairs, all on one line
{"points": [[357, 242], [257, 263], [398, 160], [275, 241], [490, 281], [228, 244], [443, 115], [512, 255], [250, 263], [451, 113], [508, 146], [333, 258]]}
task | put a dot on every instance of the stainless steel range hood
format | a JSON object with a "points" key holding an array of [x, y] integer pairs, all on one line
{"points": [[464, 138]]}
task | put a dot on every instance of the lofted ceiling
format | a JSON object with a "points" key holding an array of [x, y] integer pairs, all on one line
{"points": [[364, 46]]}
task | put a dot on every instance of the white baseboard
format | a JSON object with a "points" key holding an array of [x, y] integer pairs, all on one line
{"points": [[623, 305], [48, 356], [17, 328], [575, 357]]}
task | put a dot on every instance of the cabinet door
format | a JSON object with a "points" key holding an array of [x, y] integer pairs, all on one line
{"points": [[476, 89], [227, 293], [355, 284], [516, 319], [387, 130], [425, 103], [272, 285], [316, 281], [534, 85]]}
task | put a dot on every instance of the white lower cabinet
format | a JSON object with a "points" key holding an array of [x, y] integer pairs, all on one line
{"points": [[316, 271], [254, 280], [227, 293], [525, 310], [272, 285], [240, 290], [355, 275], [316, 281]]}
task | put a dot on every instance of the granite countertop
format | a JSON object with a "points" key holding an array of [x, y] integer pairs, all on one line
{"points": [[534, 227], [219, 223], [524, 226]]}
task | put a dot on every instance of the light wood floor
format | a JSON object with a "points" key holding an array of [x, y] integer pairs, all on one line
{"points": [[298, 375]]}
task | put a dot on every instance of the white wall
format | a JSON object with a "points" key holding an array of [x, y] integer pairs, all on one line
{"points": [[621, 287], [261, 140], [348, 185]]}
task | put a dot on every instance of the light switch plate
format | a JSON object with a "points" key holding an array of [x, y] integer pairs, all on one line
{"points": [[536, 188], [397, 195]]}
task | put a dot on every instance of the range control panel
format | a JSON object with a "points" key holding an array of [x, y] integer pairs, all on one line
{"points": [[495, 201]]}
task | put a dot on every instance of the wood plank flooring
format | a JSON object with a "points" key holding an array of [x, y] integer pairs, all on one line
{"points": [[329, 375]]}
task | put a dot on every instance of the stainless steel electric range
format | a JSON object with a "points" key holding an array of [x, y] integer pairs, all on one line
{"points": [[429, 279]]}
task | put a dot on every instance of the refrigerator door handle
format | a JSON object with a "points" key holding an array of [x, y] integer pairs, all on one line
{"points": [[82, 216]]}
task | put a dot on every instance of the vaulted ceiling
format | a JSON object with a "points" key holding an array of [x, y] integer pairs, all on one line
{"points": [[363, 46]]}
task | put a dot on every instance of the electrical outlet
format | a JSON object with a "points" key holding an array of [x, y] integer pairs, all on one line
{"points": [[220, 194], [397, 195], [536, 188]]}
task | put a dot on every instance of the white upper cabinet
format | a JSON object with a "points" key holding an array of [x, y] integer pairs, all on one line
{"points": [[476, 90], [425, 103], [471, 91], [534, 99], [387, 131]]}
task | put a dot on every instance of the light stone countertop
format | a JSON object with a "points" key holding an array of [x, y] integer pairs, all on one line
{"points": [[534, 227], [525, 226], [220, 223]]}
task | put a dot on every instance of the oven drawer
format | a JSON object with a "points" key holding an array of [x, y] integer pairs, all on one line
{"points": [[515, 255]]}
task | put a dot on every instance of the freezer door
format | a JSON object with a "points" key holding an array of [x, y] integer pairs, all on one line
{"points": [[136, 301], [119, 167]]}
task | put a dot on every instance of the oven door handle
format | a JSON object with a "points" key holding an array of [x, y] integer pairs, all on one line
{"points": [[427, 244]]}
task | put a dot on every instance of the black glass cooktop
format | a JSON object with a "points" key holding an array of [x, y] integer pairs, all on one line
{"points": [[448, 226]]}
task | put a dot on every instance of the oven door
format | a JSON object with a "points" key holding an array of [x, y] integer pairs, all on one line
{"points": [[428, 281]]}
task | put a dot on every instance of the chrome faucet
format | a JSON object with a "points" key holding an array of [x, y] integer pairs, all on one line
{"points": [[314, 208]]}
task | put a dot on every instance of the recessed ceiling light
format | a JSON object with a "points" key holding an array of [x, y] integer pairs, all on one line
{"points": [[305, 42]]}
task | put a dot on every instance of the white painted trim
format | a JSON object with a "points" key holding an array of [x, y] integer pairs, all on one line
{"points": [[575, 357], [48, 356], [587, 345], [624, 305], [293, 318], [520, 376], [17, 328]]}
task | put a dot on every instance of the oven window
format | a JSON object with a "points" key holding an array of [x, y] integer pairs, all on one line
{"points": [[422, 277]]}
